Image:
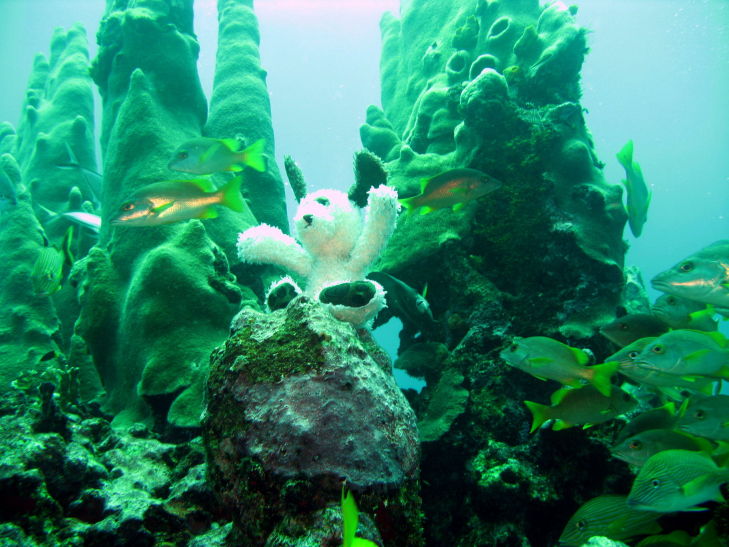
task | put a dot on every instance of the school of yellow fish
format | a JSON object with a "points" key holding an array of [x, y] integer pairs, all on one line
{"points": [[667, 377]]}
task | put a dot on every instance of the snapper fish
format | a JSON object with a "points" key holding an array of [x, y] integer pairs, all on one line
{"points": [[629, 328], [638, 195], [670, 385], [204, 156], [452, 188], [546, 358], [176, 200], [703, 276], [706, 417], [677, 480], [687, 353], [637, 448], [662, 417], [585, 407], [607, 516], [682, 313]]}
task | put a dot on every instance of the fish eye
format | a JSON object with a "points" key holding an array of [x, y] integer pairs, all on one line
{"points": [[182, 155], [127, 206], [633, 354], [658, 349], [322, 201], [686, 266], [513, 347], [635, 444], [671, 300], [699, 414], [655, 483], [581, 524]]}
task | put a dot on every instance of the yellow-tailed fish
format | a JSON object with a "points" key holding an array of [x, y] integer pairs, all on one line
{"points": [[175, 200], [546, 358], [585, 407], [703, 276], [47, 273], [638, 195], [682, 313], [636, 449], [677, 480], [687, 353], [204, 156], [629, 328], [707, 417], [607, 516], [350, 518], [452, 188]]}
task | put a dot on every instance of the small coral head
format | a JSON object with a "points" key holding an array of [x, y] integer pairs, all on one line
{"points": [[327, 224]]}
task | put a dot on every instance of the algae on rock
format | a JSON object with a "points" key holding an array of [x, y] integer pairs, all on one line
{"points": [[298, 401]]}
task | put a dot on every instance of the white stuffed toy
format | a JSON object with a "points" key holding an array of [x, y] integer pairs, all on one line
{"points": [[336, 249]]}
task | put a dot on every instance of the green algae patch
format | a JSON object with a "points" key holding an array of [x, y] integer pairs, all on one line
{"points": [[291, 350]]}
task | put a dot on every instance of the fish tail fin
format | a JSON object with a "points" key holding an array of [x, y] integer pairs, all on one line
{"points": [[230, 195], [253, 156], [625, 156], [540, 414], [601, 376]]}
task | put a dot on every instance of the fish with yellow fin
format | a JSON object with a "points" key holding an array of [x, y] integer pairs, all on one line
{"points": [[585, 407], [350, 519], [205, 155], [546, 358], [176, 200], [452, 189]]}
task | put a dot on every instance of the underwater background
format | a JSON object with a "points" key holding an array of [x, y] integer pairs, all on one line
{"points": [[116, 454]]}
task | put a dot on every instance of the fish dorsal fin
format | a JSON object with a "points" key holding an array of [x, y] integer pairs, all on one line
{"points": [[559, 395], [424, 294], [206, 185], [232, 144], [717, 337], [580, 356], [72, 159], [424, 184], [681, 410]]}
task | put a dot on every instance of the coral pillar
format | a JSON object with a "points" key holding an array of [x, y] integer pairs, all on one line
{"points": [[240, 106], [154, 300]]}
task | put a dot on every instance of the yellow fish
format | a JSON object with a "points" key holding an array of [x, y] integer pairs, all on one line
{"points": [[452, 188], [205, 155]]}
